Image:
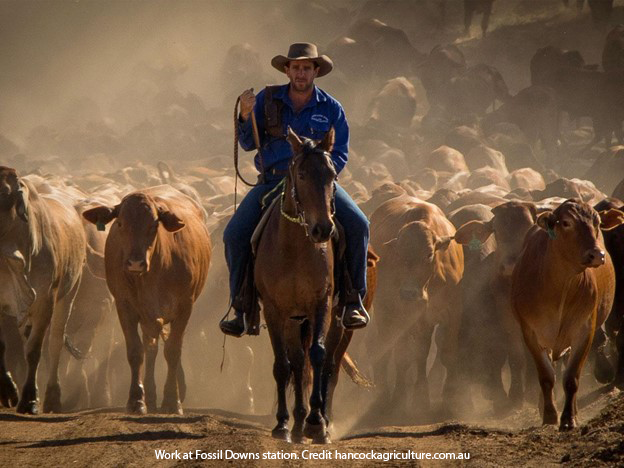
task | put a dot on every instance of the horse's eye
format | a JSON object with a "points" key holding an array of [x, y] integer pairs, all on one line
{"points": [[301, 175]]}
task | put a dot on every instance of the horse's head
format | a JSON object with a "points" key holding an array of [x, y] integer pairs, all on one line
{"points": [[312, 178]]}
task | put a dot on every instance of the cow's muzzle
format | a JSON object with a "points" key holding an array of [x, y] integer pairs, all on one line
{"points": [[594, 258], [418, 296], [136, 266]]}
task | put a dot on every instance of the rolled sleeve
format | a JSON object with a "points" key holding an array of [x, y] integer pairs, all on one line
{"points": [[245, 129]]}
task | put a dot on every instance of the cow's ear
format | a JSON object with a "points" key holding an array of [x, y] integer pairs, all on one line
{"points": [[327, 143], [170, 221], [294, 141], [442, 243], [547, 221], [101, 215], [610, 219], [472, 230], [21, 205], [392, 243]]}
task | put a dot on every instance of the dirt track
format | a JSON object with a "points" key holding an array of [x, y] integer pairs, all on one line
{"points": [[111, 438]]}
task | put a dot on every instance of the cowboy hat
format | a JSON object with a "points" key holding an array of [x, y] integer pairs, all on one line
{"points": [[304, 51]]}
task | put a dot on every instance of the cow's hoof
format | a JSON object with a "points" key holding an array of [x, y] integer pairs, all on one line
{"points": [[604, 372], [174, 407], [8, 391], [136, 407], [151, 406], [28, 407], [52, 400], [550, 418], [281, 433]]}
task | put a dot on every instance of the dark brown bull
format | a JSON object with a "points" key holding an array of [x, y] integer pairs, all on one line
{"points": [[157, 257], [562, 289], [42, 253]]}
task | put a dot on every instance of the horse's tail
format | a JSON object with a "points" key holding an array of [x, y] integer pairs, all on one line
{"points": [[350, 367]]}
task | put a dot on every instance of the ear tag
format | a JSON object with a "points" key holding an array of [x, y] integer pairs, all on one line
{"points": [[100, 226], [551, 233], [474, 244]]}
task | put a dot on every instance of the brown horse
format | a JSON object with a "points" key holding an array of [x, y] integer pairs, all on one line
{"points": [[294, 274]]}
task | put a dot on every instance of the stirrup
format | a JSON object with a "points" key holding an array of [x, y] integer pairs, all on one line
{"points": [[362, 312]]}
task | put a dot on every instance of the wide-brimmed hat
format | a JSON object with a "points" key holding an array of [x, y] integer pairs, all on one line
{"points": [[304, 51]]}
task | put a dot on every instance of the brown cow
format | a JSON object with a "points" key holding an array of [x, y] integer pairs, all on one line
{"points": [[511, 222], [157, 257], [418, 288], [562, 289], [42, 252]]}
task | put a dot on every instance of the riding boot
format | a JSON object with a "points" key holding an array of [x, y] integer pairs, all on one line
{"points": [[237, 326], [354, 314]]}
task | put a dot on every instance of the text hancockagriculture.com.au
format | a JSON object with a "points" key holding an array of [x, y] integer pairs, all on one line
{"points": [[307, 455]]}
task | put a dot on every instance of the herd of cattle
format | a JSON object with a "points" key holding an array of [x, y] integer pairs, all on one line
{"points": [[483, 247]]}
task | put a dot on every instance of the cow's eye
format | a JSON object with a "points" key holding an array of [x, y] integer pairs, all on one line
{"points": [[566, 224], [118, 223]]}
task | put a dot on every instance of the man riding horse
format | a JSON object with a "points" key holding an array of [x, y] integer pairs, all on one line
{"points": [[310, 112]]}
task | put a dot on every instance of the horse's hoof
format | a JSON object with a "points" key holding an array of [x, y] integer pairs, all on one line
{"points": [[322, 439], [28, 407], [174, 407], [314, 431], [136, 407], [298, 438], [281, 433], [52, 400], [567, 424], [8, 391]]}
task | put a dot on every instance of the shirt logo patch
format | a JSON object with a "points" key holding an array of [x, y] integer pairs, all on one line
{"points": [[319, 118]]}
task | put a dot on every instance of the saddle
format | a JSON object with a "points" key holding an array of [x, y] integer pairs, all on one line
{"points": [[249, 299]]}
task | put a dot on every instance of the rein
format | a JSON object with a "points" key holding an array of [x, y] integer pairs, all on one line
{"points": [[299, 217]]}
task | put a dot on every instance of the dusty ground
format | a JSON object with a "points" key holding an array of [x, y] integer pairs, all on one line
{"points": [[108, 437]]}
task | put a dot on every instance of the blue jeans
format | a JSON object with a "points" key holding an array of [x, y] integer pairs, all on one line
{"points": [[238, 232]]}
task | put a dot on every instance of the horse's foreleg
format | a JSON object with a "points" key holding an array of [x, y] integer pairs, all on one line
{"points": [[296, 356], [281, 373], [316, 428]]}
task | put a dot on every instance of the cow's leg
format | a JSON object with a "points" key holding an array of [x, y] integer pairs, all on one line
{"points": [[517, 360], [129, 320], [150, 348], [297, 339], [173, 351], [485, 19], [423, 337], [468, 11], [60, 315], [8, 389], [546, 375], [571, 379], [40, 314], [315, 425], [619, 343], [603, 370], [281, 371], [100, 384]]}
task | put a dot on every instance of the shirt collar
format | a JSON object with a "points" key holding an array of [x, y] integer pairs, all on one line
{"points": [[317, 96]]}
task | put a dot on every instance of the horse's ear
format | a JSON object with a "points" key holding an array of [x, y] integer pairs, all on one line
{"points": [[327, 143], [294, 141]]}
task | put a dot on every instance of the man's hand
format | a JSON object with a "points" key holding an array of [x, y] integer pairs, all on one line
{"points": [[247, 102]]}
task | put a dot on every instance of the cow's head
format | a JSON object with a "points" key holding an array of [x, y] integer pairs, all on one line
{"points": [[13, 196], [138, 220], [510, 223], [415, 250], [574, 230]]}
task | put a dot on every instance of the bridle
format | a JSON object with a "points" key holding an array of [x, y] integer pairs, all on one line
{"points": [[299, 217]]}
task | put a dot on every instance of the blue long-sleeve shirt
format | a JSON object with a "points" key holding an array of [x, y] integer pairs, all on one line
{"points": [[313, 121]]}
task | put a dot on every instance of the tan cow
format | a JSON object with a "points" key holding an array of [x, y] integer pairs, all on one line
{"points": [[42, 253], [418, 275], [157, 257], [562, 289]]}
